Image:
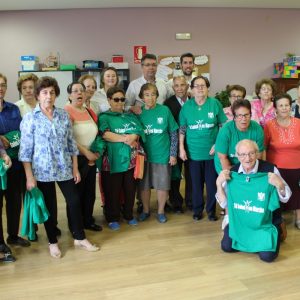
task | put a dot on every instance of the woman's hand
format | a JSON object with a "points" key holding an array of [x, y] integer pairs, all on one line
{"points": [[5, 142], [182, 154], [130, 140], [91, 156], [7, 161], [223, 176], [30, 183], [76, 175], [173, 160]]}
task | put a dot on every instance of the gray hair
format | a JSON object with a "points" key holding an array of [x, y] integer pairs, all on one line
{"points": [[246, 142]]}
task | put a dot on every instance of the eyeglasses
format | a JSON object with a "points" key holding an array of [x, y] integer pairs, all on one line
{"points": [[78, 91], [244, 155], [199, 86], [266, 89], [119, 99], [240, 117], [150, 65], [3, 85], [236, 97]]}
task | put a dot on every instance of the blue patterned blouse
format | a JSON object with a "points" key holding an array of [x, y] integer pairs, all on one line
{"points": [[48, 145]]}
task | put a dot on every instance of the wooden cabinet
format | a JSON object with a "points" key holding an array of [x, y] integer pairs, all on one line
{"points": [[286, 84]]}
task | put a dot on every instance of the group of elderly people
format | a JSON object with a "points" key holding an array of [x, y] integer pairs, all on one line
{"points": [[246, 155]]}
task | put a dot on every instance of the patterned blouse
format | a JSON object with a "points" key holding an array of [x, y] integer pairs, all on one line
{"points": [[48, 145], [257, 113]]}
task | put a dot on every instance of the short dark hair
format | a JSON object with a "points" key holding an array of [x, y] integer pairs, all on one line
{"points": [[188, 54], [148, 86], [70, 86], [45, 82], [282, 96], [240, 103], [103, 73], [236, 87], [267, 81], [113, 90], [148, 56], [207, 83]]}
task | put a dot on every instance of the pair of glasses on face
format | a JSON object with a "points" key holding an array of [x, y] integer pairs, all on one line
{"points": [[119, 99], [240, 116], [244, 155], [236, 97]]}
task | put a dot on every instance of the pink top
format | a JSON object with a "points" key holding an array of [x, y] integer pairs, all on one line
{"points": [[283, 144], [257, 112], [228, 113]]}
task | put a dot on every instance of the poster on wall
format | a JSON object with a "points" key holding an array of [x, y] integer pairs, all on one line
{"points": [[169, 66], [138, 52]]}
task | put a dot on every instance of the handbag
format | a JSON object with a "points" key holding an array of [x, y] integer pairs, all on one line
{"points": [[139, 163]]}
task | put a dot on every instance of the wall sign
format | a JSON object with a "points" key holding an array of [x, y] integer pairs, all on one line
{"points": [[138, 52]]}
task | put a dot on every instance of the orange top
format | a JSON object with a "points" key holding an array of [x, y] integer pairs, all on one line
{"points": [[283, 144]]}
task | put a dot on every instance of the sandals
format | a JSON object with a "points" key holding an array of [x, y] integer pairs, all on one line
{"points": [[85, 245], [54, 251]]}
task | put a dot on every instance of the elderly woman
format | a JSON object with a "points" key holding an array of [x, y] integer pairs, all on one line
{"points": [[296, 105], [282, 141], [10, 119], [90, 85], [161, 148], [262, 108], [122, 131], [235, 92], [109, 78], [26, 84], [49, 154], [200, 119], [85, 130]]}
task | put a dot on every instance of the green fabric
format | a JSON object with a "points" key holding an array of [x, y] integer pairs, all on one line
{"points": [[119, 154], [229, 136], [3, 176], [251, 201], [14, 140], [202, 126], [158, 123], [34, 212], [175, 175], [98, 146]]}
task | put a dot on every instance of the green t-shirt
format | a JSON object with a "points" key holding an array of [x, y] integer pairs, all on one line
{"points": [[202, 126], [158, 122], [119, 154], [251, 201], [229, 136]]}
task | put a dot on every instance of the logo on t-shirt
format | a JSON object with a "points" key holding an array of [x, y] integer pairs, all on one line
{"points": [[150, 130], [211, 115], [201, 126], [261, 196], [126, 128], [160, 120], [248, 208]]}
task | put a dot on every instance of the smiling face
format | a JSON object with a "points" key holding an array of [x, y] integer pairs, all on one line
{"points": [[180, 87], [77, 95], [235, 95], [90, 87], [27, 90], [247, 155], [149, 68], [200, 90], [109, 79], [150, 97], [242, 118], [117, 102], [3, 88], [46, 98], [283, 108], [187, 66]]}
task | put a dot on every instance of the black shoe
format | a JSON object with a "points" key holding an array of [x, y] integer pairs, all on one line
{"points": [[212, 217], [57, 231], [139, 209], [197, 217], [168, 207], [5, 249], [18, 241], [94, 227], [7, 258]]}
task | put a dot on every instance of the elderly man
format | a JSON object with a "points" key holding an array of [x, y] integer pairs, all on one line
{"points": [[175, 103], [251, 191], [149, 67]]}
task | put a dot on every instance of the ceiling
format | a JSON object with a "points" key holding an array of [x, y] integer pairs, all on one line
{"points": [[73, 4]]}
